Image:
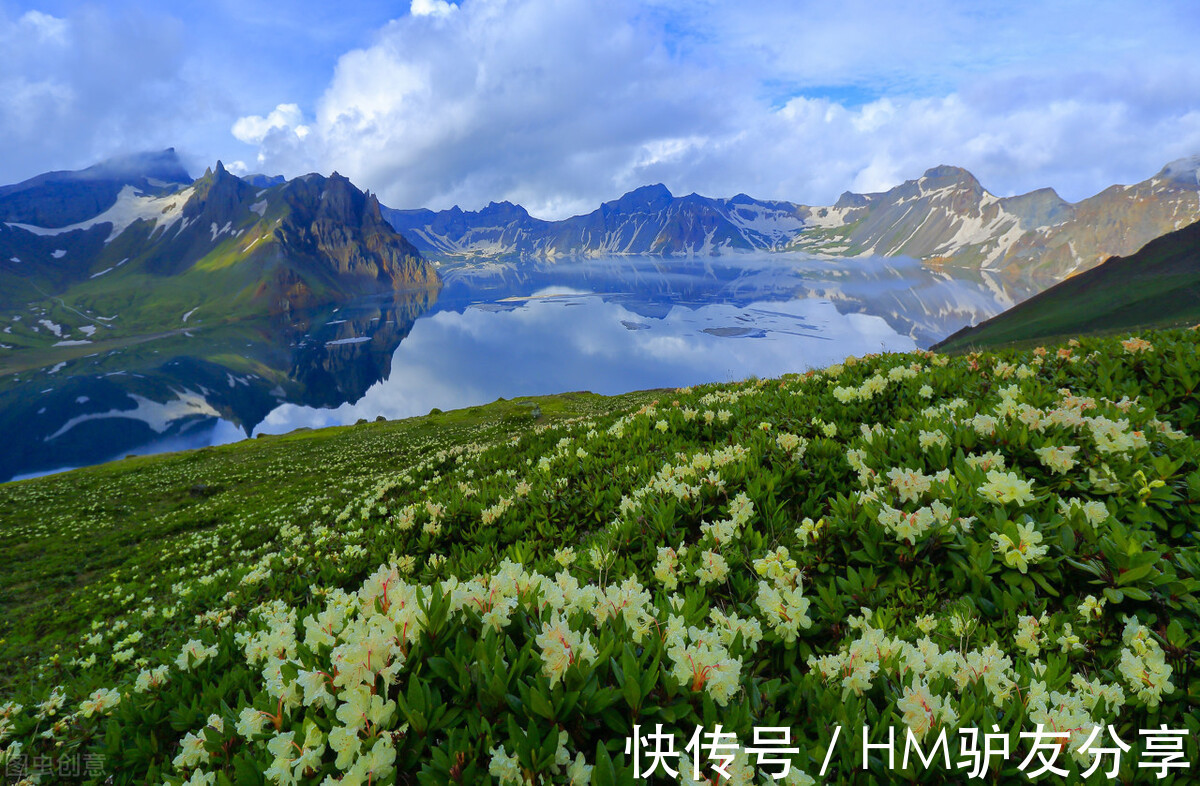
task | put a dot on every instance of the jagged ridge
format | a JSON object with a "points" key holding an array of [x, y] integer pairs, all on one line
{"points": [[219, 244], [944, 217]]}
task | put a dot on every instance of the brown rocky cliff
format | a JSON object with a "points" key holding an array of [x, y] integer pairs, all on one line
{"points": [[333, 223]]}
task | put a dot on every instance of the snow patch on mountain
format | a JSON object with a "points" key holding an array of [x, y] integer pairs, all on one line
{"points": [[763, 226], [158, 416], [109, 269], [827, 217], [131, 206]]}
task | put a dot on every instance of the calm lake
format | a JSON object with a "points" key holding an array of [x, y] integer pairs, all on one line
{"points": [[494, 330]]}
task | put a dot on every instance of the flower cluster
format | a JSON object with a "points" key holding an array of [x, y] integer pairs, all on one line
{"points": [[1022, 551], [538, 579]]}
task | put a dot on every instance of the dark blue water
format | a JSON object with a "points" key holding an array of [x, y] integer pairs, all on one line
{"points": [[496, 330]]}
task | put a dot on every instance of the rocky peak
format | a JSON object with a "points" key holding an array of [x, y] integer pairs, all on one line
{"points": [[944, 176], [331, 221], [57, 199], [849, 199], [1043, 207], [163, 165], [217, 196], [647, 199], [1185, 171], [504, 211]]}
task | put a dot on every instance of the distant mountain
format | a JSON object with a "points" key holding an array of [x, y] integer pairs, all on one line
{"points": [[947, 217], [649, 220], [118, 250], [944, 217], [264, 181], [57, 199], [1159, 286]]}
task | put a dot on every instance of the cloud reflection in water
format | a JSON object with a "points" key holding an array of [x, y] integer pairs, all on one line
{"points": [[561, 341]]}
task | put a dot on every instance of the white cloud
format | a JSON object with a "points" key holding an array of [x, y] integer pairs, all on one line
{"points": [[431, 8], [45, 27], [552, 104], [253, 129], [559, 105], [99, 79], [87, 85]]}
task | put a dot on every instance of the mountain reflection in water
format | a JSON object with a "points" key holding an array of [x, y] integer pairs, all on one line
{"points": [[495, 329], [206, 386]]}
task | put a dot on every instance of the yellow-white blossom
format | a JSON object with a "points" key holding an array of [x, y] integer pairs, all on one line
{"points": [[785, 609], [1004, 487], [1058, 458], [1024, 551], [561, 646], [712, 568], [1091, 608]]}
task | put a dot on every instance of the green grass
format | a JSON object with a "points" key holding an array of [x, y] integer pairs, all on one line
{"points": [[818, 551], [64, 532]]}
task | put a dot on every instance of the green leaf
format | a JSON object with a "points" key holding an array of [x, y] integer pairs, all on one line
{"points": [[1045, 585], [1133, 574], [603, 773], [540, 704], [1136, 593]]}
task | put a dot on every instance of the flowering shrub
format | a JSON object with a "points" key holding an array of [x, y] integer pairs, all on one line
{"points": [[907, 540]]}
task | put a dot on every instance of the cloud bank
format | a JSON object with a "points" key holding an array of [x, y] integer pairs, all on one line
{"points": [[69, 92], [560, 104]]}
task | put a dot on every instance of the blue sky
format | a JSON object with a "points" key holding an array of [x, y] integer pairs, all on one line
{"points": [[559, 104]]}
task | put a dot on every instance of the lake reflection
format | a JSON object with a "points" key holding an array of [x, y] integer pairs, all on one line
{"points": [[494, 330], [556, 342], [621, 324]]}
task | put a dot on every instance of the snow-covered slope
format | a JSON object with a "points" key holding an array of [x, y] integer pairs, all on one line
{"points": [[648, 220], [947, 217], [131, 205], [944, 217]]}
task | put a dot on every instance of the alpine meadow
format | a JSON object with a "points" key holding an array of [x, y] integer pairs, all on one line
{"points": [[577, 393]]}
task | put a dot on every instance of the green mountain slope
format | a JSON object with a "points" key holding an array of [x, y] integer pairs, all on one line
{"points": [[1157, 286], [899, 542]]}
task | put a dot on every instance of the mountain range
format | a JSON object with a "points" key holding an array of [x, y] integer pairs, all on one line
{"points": [[944, 217], [134, 247], [138, 305]]}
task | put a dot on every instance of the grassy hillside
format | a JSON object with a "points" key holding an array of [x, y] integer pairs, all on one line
{"points": [[907, 541], [1159, 286]]}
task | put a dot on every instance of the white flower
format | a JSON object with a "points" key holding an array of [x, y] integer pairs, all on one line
{"points": [[505, 768]]}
